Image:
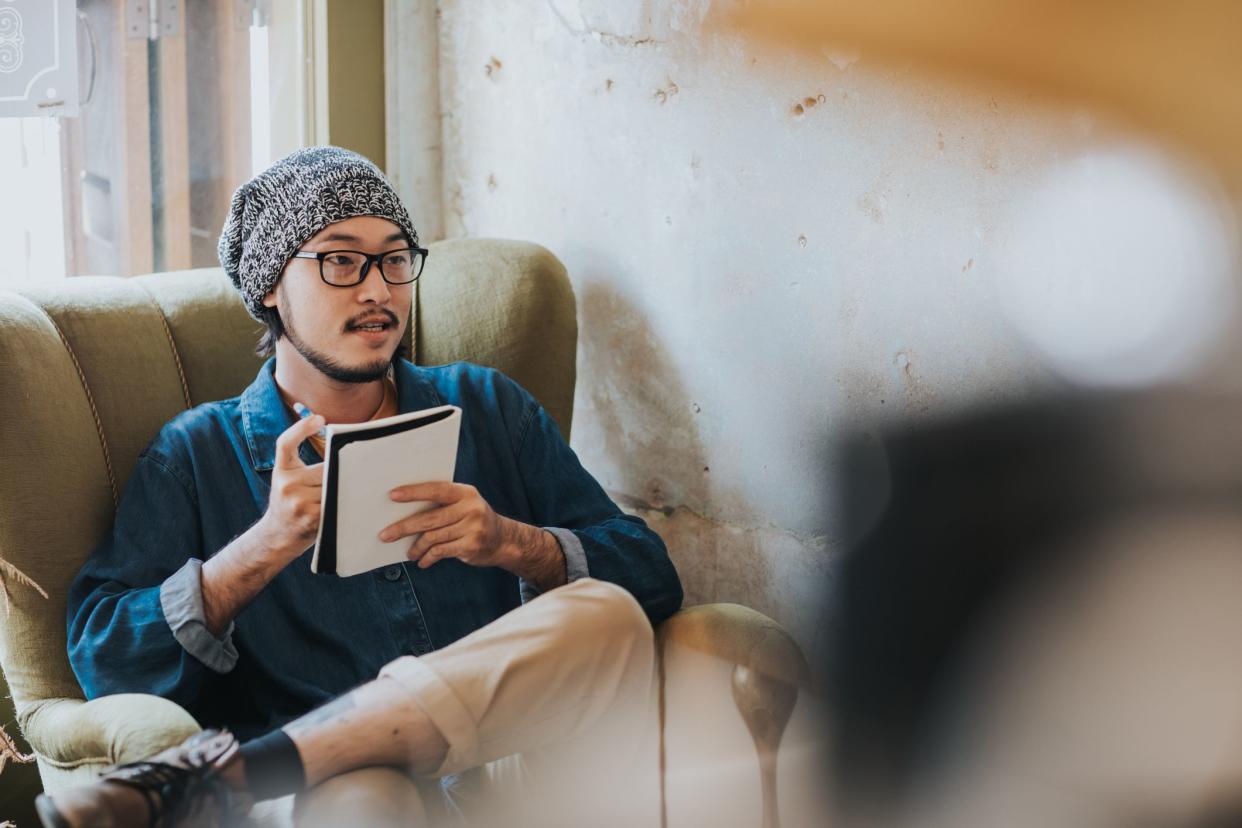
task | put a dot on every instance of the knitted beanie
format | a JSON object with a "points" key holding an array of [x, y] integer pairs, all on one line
{"points": [[274, 213]]}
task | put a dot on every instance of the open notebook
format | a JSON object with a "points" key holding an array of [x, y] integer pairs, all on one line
{"points": [[363, 463]]}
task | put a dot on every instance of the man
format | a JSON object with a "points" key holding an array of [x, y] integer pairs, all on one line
{"points": [[203, 593]]}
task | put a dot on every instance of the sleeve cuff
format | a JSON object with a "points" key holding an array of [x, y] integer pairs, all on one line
{"points": [[575, 561], [181, 598], [575, 555]]}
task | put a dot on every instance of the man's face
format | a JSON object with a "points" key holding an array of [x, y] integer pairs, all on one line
{"points": [[324, 323]]}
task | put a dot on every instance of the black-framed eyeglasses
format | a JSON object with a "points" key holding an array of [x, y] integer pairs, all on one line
{"points": [[346, 268]]}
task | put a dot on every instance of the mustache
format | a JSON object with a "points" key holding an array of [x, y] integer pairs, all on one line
{"points": [[388, 315]]}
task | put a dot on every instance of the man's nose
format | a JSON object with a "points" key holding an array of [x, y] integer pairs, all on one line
{"points": [[373, 287]]}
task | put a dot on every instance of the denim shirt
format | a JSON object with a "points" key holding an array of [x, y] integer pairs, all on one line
{"points": [[135, 620]]}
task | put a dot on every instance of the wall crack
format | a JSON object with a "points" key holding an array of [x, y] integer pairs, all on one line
{"points": [[608, 38], [636, 504]]}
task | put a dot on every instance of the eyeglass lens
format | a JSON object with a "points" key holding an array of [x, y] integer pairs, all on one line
{"points": [[344, 267]]}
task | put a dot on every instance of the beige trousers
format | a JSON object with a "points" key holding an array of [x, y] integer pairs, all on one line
{"points": [[549, 714]]}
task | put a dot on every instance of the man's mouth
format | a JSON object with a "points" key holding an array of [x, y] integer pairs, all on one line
{"points": [[372, 325]]}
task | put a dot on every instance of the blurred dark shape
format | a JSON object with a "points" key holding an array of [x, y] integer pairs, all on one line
{"points": [[980, 506]]}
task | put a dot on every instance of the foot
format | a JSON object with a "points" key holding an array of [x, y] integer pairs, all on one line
{"points": [[184, 785]]}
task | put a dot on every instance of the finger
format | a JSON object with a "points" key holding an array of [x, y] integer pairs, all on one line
{"points": [[422, 522], [441, 551], [438, 491], [311, 475], [288, 442], [427, 540]]}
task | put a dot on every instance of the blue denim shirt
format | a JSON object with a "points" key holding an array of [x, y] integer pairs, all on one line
{"points": [[135, 618]]}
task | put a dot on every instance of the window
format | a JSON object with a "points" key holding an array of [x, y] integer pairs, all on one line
{"points": [[177, 104]]}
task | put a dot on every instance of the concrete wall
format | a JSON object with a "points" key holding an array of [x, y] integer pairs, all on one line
{"points": [[765, 248]]}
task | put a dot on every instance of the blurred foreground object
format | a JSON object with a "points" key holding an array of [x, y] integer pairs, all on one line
{"points": [[1172, 69], [1037, 621], [1119, 267]]}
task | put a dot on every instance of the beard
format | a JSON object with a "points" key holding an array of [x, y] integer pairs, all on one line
{"points": [[325, 364]]}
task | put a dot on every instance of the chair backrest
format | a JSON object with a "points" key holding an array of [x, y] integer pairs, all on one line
{"points": [[93, 367]]}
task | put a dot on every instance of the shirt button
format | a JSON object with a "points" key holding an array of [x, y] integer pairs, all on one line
{"points": [[392, 573]]}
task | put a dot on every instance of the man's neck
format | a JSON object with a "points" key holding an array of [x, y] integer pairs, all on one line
{"points": [[337, 402]]}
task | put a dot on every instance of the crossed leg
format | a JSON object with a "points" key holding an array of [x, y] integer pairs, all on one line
{"points": [[565, 683]]}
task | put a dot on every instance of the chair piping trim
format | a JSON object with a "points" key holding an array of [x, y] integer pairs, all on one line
{"points": [[75, 763], [172, 344], [90, 400]]}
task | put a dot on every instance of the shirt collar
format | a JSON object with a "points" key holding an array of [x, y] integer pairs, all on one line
{"points": [[265, 417]]}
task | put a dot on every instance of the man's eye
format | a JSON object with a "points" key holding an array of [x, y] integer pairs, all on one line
{"points": [[398, 259], [339, 260]]}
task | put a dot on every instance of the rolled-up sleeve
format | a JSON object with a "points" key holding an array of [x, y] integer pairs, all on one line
{"points": [[575, 561], [575, 556], [181, 598]]}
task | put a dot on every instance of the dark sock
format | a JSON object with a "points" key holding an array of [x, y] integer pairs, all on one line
{"points": [[273, 766]]}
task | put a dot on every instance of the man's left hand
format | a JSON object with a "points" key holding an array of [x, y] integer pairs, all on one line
{"points": [[462, 525]]}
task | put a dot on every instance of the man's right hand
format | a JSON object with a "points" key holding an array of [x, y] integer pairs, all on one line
{"points": [[232, 578], [292, 518]]}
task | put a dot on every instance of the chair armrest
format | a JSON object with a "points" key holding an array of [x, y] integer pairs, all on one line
{"points": [[110, 729], [739, 635], [769, 670]]}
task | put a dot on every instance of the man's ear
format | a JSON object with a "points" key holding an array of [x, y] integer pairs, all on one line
{"points": [[269, 298]]}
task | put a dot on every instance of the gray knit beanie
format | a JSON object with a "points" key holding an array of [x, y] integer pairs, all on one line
{"points": [[274, 213]]}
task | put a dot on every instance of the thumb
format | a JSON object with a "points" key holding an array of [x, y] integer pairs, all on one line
{"points": [[287, 443]]}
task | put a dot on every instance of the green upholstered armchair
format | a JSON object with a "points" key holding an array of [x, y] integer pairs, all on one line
{"points": [[92, 368]]}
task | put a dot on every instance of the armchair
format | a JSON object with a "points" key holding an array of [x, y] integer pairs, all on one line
{"points": [[94, 366]]}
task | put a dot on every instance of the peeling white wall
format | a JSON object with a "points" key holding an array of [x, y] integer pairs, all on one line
{"points": [[764, 248]]}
